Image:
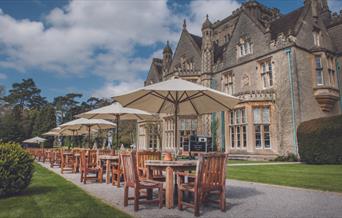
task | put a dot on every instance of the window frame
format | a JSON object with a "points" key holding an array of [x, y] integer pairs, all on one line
{"points": [[245, 47], [261, 123], [238, 128], [319, 69], [267, 73]]}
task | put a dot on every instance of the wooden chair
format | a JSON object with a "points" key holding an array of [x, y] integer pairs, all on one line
{"points": [[106, 151], [77, 157], [89, 165], [209, 179], [55, 158], [132, 180], [67, 161], [117, 171], [142, 156], [40, 154], [45, 154]]}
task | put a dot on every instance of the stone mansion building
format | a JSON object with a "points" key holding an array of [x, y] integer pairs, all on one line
{"points": [[284, 68]]}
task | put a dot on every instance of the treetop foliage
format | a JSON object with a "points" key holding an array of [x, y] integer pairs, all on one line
{"points": [[24, 113]]}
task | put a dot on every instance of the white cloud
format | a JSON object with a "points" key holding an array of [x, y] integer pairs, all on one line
{"points": [[110, 89], [100, 37], [84, 34], [216, 9], [3, 76]]}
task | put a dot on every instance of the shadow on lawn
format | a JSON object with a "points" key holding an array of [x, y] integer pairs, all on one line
{"points": [[37, 190]]}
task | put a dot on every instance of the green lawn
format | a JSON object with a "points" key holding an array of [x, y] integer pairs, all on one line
{"points": [[49, 195], [321, 177]]}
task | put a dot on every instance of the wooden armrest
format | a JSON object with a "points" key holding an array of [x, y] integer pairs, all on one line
{"points": [[183, 174], [181, 177]]}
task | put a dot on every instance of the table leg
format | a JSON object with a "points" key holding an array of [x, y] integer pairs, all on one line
{"points": [[100, 176], [77, 165], [107, 171], [169, 188]]}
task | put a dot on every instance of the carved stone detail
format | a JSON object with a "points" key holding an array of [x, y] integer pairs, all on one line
{"points": [[326, 97]]}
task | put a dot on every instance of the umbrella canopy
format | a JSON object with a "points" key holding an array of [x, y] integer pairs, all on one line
{"points": [[116, 112], [178, 97], [34, 140], [51, 133], [83, 124], [58, 131], [111, 112]]}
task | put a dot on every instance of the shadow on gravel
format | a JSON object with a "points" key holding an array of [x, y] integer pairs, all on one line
{"points": [[238, 192]]}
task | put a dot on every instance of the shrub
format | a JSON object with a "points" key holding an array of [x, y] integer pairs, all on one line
{"points": [[320, 140], [16, 169], [289, 158]]}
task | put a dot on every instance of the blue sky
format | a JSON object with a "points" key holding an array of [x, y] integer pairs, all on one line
{"points": [[97, 48]]}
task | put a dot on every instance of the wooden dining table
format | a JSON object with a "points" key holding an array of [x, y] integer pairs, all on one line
{"points": [[170, 167], [108, 159]]}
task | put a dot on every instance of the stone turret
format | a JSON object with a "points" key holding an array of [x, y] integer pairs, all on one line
{"points": [[207, 46], [319, 9], [167, 58]]}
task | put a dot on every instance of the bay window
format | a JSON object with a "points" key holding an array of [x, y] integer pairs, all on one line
{"points": [[238, 128], [261, 118]]}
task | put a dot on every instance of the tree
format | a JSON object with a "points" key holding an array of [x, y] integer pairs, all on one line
{"points": [[25, 95], [68, 105], [3, 106], [44, 120], [94, 102]]}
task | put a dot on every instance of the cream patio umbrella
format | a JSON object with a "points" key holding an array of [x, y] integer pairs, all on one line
{"points": [[83, 124], [34, 140], [116, 112], [58, 131], [178, 97]]}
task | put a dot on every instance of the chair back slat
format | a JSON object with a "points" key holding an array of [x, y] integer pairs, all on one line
{"points": [[88, 159], [211, 171], [129, 165], [92, 158], [142, 156], [106, 151]]}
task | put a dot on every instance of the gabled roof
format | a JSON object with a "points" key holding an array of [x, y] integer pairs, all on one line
{"points": [[285, 23], [197, 39], [155, 72], [158, 64]]}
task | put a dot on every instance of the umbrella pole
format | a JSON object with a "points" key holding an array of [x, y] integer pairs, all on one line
{"points": [[176, 123], [117, 130], [89, 136]]}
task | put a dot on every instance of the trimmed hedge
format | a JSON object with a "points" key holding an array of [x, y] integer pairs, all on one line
{"points": [[16, 169], [320, 140]]}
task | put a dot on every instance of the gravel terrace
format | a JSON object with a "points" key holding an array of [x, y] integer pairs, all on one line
{"points": [[244, 199]]}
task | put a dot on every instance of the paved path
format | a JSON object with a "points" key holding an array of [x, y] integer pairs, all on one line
{"points": [[245, 199], [260, 164]]}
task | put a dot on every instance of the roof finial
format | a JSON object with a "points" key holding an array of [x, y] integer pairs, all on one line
{"points": [[207, 17], [184, 24]]}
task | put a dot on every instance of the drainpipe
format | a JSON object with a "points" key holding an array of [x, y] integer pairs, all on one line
{"points": [[223, 134], [213, 118], [339, 79], [293, 108]]}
